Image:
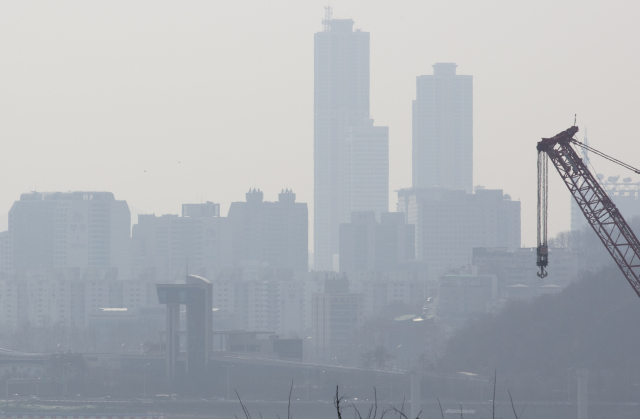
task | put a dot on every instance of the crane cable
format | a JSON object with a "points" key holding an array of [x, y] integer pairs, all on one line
{"points": [[543, 194], [601, 154]]}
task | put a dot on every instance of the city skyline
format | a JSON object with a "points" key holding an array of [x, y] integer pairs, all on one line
{"points": [[341, 102], [511, 114], [330, 202]]}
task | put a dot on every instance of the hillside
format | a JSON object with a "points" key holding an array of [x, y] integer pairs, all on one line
{"points": [[594, 323]]}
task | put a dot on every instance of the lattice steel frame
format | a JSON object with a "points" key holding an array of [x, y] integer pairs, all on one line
{"points": [[597, 207]]}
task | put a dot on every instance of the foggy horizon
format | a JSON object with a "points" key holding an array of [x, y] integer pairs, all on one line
{"points": [[164, 88], [317, 207]]}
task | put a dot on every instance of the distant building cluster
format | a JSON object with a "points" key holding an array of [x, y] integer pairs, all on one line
{"points": [[93, 230], [449, 251], [255, 234], [69, 297]]}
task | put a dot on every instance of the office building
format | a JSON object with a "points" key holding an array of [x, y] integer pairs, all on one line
{"points": [[70, 229], [335, 318], [450, 223], [270, 234], [369, 245], [6, 253], [167, 247], [443, 130], [344, 137], [365, 162]]}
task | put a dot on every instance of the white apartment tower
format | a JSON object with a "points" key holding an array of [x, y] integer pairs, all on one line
{"points": [[443, 130]]}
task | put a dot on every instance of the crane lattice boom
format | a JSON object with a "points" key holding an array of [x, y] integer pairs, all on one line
{"points": [[597, 207]]}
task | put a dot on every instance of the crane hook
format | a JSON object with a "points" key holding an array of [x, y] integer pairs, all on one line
{"points": [[543, 260]]}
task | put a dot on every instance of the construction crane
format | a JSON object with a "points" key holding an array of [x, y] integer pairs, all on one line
{"points": [[596, 205]]}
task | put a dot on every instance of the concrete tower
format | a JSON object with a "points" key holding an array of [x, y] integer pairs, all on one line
{"points": [[443, 130], [341, 101]]}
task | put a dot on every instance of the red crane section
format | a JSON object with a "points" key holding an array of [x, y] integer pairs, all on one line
{"points": [[597, 207]]}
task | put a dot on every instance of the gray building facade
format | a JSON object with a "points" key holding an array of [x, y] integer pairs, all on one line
{"points": [[450, 223], [369, 245], [168, 247], [344, 136], [273, 234], [365, 162], [443, 130], [70, 229]]}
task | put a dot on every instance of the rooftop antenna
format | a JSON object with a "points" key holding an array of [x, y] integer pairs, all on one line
{"points": [[328, 15], [585, 152]]}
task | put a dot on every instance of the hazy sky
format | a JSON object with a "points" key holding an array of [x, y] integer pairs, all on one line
{"points": [[165, 103]]}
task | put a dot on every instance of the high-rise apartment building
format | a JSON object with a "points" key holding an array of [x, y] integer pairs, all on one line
{"points": [[443, 130], [70, 229], [344, 136], [168, 247], [369, 245], [270, 234], [450, 223]]}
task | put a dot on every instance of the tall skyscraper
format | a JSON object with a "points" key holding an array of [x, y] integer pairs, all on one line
{"points": [[341, 104], [443, 130]]}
